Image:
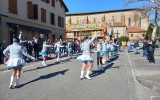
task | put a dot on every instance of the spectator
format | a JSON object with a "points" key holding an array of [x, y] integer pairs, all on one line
{"points": [[144, 49], [150, 50], [136, 47], [1, 53], [128, 46], [36, 49]]}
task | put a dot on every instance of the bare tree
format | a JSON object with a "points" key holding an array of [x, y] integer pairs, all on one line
{"points": [[153, 7]]}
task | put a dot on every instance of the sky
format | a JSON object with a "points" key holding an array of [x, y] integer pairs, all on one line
{"points": [[97, 5]]}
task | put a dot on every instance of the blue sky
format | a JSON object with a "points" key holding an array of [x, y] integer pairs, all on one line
{"points": [[97, 5]]}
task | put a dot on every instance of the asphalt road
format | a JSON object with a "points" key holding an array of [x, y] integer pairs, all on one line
{"points": [[61, 82]]}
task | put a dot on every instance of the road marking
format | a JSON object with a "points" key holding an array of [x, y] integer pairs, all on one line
{"points": [[131, 67], [152, 97]]}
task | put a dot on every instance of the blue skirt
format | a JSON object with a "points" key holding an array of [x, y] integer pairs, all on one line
{"points": [[57, 51], [69, 49], [105, 52], [112, 49], [43, 53]]}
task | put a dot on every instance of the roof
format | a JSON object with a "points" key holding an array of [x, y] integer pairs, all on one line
{"points": [[101, 12], [134, 29], [118, 24], [66, 9]]}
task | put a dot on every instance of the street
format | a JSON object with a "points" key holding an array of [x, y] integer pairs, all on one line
{"points": [[61, 82]]}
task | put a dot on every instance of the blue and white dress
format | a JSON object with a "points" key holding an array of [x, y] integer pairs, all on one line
{"points": [[86, 55], [44, 49], [69, 46], [99, 50], [15, 54], [58, 46], [104, 48]]}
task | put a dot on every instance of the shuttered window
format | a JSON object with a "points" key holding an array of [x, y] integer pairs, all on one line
{"points": [[63, 22], [12, 6], [30, 11], [47, 1], [52, 19], [60, 22], [53, 3], [43, 15], [35, 11]]}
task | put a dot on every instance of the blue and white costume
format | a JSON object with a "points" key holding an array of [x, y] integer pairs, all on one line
{"points": [[99, 50], [15, 54], [44, 49], [104, 48], [58, 46], [86, 55], [69, 46], [112, 46]]}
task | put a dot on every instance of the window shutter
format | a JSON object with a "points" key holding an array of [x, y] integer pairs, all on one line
{"points": [[35, 11], [42, 15], [47, 1], [15, 6], [10, 8], [30, 9], [53, 3]]}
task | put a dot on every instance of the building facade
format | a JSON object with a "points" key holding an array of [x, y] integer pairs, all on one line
{"points": [[116, 22], [35, 18]]}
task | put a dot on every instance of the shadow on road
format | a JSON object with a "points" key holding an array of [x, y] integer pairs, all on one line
{"points": [[96, 73], [46, 77], [49, 65]]}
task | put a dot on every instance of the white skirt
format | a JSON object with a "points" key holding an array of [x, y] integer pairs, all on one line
{"points": [[85, 58], [15, 62]]}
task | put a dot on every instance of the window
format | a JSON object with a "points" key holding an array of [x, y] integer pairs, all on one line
{"points": [[53, 3], [43, 15], [47, 1], [12, 6], [52, 19], [129, 22], [62, 22], [143, 35], [35, 11], [59, 21], [30, 10], [131, 35]]}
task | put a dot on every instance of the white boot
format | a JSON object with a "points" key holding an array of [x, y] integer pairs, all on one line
{"points": [[82, 75], [104, 61], [12, 82], [44, 63], [87, 75], [17, 81]]}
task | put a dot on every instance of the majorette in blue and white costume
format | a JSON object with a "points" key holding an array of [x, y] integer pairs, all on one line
{"points": [[85, 47], [70, 49], [112, 48], [86, 57], [99, 50], [44, 52], [15, 54], [58, 46]]}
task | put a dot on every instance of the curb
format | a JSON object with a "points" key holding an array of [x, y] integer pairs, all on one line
{"points": [[149, 84]]}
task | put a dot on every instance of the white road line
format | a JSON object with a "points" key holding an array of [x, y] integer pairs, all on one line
{"points": [[131, 67], [154, 97]]}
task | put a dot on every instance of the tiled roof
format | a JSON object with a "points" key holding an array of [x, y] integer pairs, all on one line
{"points": [[134, 29], [118, 24]]}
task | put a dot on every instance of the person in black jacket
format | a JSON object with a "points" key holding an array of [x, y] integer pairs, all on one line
{"points": [[36, 49], [144, 49], [150, 50]]}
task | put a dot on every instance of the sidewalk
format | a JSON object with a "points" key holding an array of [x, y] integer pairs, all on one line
{"points": [[147, 74]]}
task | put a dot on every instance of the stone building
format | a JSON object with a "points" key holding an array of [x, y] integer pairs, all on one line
{"points": [[35, 18], [116, 22]]}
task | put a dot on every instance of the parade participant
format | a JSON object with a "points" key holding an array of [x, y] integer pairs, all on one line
{"points": [[15, 62], [44, 52], [104, 51], [99, 55], [86, 57], [112, 48], [70, 48], [128, 46], [57, 47]]}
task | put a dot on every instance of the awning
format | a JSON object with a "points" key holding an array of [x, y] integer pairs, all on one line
{"points": [[14, 25]]}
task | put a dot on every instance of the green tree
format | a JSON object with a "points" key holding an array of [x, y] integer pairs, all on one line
{"points": [[149, 31]]}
